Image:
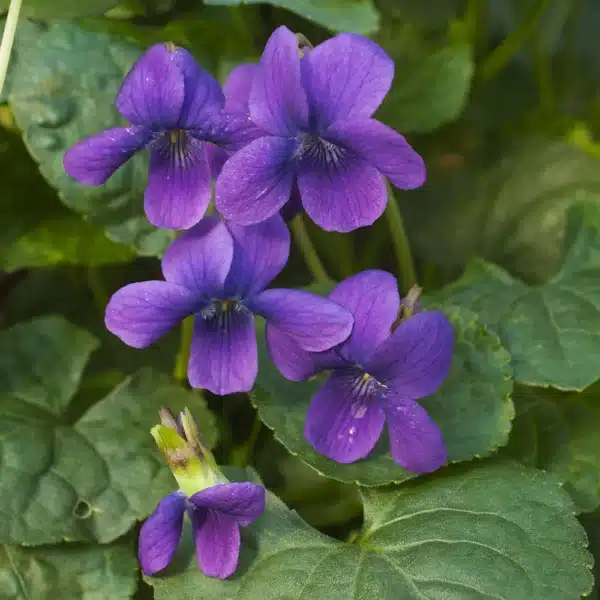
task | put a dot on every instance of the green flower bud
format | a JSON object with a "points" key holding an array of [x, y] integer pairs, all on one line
{"points": [[190, 461]]}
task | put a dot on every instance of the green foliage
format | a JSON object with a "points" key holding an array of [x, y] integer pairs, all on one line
{"points": [[62, 9], [560, 433], [511, 212], [72, 571], [45, 494], [431, 92], [358, 16], [494, 530], [477, 390], [36, 229], [551, 331]]}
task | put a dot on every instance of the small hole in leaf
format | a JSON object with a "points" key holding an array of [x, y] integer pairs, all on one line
{"points": [[82, 509]]}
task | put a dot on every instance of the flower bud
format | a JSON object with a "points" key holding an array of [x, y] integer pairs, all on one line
{"points": [[190, 461]]}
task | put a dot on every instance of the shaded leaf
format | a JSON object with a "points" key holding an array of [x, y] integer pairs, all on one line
{"points": [[73, 572], [36, 230], [494, 531], [429, 91], [357, 16], [560, 433], [511, 213], [552, 330], [67, 292], [65, 93], [477, 391], [67, 476], [62, 9], [67, 240]]}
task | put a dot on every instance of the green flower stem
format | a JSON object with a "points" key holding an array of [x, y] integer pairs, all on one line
{"points": [[10, 28], [500, 56], [183, 355], [98, 289], [542, 68], [471, 19], [400, 243], [311, 257], [243, 455]]}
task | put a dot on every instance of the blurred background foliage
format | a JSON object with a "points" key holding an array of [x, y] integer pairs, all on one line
{"points": [[501, 97]]}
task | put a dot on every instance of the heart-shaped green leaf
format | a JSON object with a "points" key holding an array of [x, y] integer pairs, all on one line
{"points": [[494, 530], [68, 571], [68, 475], [552, 331], [560, 433]]}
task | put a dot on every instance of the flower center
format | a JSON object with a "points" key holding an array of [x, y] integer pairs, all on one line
{"points": [[363, 388], [176, 136], [176, 147], [221, 312], [320, 151]]}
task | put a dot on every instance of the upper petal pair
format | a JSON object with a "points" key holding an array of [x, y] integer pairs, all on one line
{"points": [[343, 78]]}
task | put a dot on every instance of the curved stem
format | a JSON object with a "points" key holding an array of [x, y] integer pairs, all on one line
{"points": [[400, 242], [183, 355], [245, 453], [98, 289], [500, 56], [305, 245], [8, 37]]}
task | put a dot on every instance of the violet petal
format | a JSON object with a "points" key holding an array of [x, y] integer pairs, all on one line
{"points": [[140, 313], [217, 540], [382, 147], [344, 419], [277, 99], [372, 298], [178, 191], [245, 501], [153, 91], [200, 258], [416, 358], [416, 442], [340, 191], [160, 534], [260, 253], [223, 354], [203, 98], [346, 77], [237, 88], [313, 322], [256, 181], [94, 159]]}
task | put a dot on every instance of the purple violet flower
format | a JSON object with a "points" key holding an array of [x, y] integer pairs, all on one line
{"points": [[218, 272], [173, 107], [376, 376], [315, 111], [216, 508]]}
